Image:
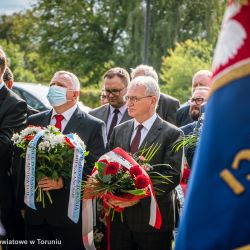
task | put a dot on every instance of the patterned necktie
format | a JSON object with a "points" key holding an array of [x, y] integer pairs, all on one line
{"points": [[59, 119], [136, 141], [113, 122]]}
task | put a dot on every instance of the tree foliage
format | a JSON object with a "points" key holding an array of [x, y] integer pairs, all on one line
{"points": [[181, 64], [88, 37]]}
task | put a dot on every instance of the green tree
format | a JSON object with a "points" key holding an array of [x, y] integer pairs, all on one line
{"points": [[16, 62], [181, 64], [171, 22]]}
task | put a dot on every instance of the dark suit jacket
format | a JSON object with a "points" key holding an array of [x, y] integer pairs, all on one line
{"points": [[103, 114], [165, 134], [12, 120], [91, 131], [182, 115], [167, 108]]}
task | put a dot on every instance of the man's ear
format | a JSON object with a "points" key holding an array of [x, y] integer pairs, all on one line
{"points": [[76, 93], [154, 100]]}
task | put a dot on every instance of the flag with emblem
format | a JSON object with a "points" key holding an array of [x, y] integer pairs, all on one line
{"points": [[217, 209]]}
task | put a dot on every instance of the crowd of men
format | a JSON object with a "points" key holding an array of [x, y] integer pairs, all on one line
{"points": [[133, 113]]}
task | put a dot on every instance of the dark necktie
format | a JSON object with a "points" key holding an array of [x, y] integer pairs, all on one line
{"points": [[59, 119], [136, 141], [113, 122]]}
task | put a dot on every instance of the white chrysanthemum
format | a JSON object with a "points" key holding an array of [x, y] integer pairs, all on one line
{"points": [[44, 145], [30, 131], [16, 138], [53, 140]]}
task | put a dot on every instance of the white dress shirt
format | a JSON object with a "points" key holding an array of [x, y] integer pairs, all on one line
{"points": [[146, 127], [1, 85], [67, 115]]}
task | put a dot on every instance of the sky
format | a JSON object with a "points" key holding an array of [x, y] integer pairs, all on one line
{"points": [[8, 7]]}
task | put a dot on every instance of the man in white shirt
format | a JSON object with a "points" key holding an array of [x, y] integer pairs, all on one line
{"points": [[115, 82], [145, 129], [52, 222]]}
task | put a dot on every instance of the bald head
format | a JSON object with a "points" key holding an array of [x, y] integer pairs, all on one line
{"points": [[201, 78], [144, 70]]}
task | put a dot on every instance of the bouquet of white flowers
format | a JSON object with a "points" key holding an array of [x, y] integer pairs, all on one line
{"points": [[50, 154]]}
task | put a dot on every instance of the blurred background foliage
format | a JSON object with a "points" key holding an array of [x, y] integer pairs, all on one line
{"points": [[88, 37]]}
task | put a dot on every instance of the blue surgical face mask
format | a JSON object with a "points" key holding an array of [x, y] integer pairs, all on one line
{"points": [[57, 95]]}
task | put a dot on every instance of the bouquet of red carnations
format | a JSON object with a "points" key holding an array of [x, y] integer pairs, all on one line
{"points": [[120, 182], [49, 154]]}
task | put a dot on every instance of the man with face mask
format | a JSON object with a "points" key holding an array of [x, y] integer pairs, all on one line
{"points": [[52, 222]]}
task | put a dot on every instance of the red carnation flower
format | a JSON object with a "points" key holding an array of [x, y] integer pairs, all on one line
{"points": [[29, 137], [112, 168], [186, 173], [135, 170], [141, 181], [104, 161], [68, 141]]}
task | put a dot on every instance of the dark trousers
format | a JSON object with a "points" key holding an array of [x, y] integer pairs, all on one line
{"points": [[124, 239], [51, 237], [14, 225]]}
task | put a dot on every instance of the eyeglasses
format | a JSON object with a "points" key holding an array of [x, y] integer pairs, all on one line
{"points": [[197, 101], [134, 99], [115, 92]]}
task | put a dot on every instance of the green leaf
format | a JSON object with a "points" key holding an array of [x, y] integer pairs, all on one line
{"points": [[107, 178], [100, 167], [135, 192]]}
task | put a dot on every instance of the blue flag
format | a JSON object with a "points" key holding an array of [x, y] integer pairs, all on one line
{"points": [[217, 209]]}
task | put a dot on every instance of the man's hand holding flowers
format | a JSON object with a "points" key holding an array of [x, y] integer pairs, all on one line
{"points": [[47, 184]]}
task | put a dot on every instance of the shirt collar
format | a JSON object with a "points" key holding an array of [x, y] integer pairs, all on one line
{"points": [[122, 109], [67, 114], [146, 124], [1, 85]]}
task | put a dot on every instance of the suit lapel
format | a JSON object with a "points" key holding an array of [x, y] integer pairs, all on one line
{"points": [[153, 133], [45, 121], [127, 133], [3, 94], [106, 114], [74, 122], [125, 117]]}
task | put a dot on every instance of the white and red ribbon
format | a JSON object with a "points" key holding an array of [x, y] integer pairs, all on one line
{"points": [[123, 158]]}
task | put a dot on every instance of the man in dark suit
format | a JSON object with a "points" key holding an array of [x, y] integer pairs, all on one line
{"points": [[167, 105], [12, 119], [115, 82], [52, 221], [147, 128], [202, 78]]}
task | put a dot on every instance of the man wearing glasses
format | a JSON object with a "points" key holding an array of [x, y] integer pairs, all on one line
{"points": [[115, 82], [199, 98], [144, 130], [200, 79]]}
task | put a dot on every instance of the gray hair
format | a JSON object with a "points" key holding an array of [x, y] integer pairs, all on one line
{"points": [[200, 73], [150, 84], [144, 70], [75, 80]]}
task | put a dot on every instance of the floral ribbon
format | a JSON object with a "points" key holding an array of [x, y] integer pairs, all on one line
{"points": [[30, 171], [122, 157], [76, 180]]}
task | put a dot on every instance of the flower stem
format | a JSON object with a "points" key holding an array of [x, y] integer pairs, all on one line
{"points": [[48, 195]]}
